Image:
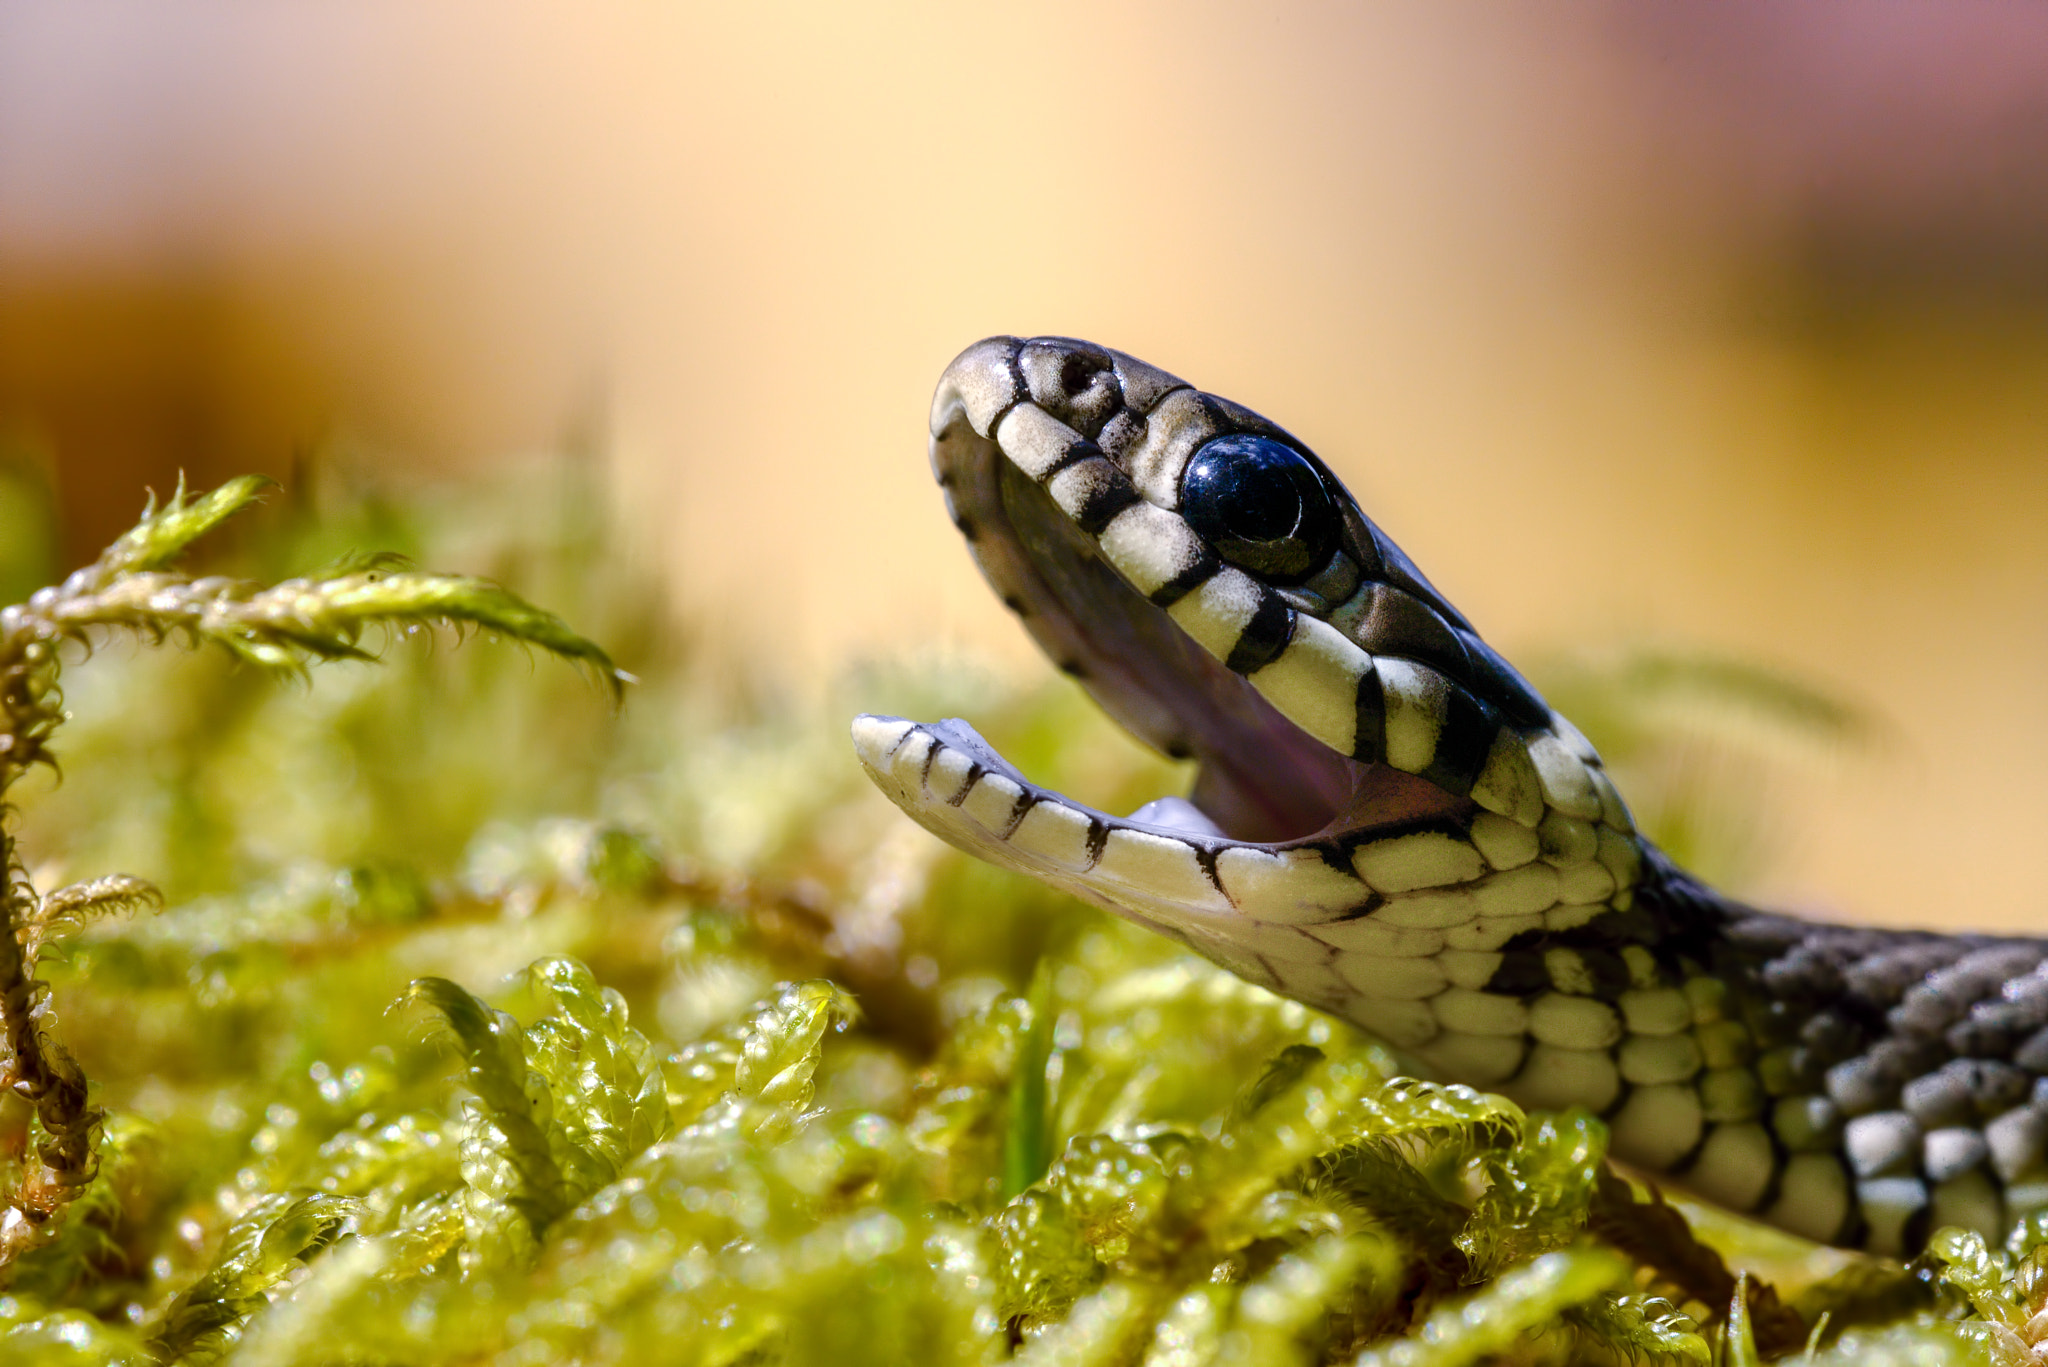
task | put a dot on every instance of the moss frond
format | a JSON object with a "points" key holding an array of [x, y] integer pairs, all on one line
{"points": [[109, 895], [1538, 1193], [612, 1100], [1522, 1304], [508, 1158], [271, 1240], [130, 588], [166, 533], [75, 905], [1644, 1331]]}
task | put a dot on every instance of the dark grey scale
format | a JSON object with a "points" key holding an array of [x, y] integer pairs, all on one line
{"points": [[1808, 973], [1370, 738], [1947, 994], [1076, 452], [1522, 973], [1499, 681], [1996, 1028], [1965, 1091], [1862, 973], [1143, 387], [1231, 419], [2033, 1052], [1752, 939], [1831, 1037], [1098, 840], [1875, 1080], [1336, 581], [1264, 637], [1468, 733], [1397, 569], [1609, 972], [1107, 491], [1123, 431], [1395, 622], [1948, 1154], [1885, 977], [1595, 953], [1362, 540], [1859, 1086], [2018, 1141], [1191, 577], [1616, 931], [974, 776]]}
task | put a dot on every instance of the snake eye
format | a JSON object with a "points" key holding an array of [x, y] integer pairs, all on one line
{"points": [[1261, 505]]}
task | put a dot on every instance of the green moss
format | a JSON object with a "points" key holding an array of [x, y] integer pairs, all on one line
{"points": [[482, 1023]]}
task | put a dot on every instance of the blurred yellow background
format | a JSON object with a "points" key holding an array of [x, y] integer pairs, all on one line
{"points": [[1717, 325]]}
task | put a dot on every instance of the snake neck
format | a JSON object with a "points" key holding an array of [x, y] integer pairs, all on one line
{"points": [[1854, 1085]]}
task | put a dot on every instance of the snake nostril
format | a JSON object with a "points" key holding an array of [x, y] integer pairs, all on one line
{"points": [[1076, 372]]}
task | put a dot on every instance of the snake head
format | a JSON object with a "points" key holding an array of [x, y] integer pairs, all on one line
{"points": [[1382, 804]]}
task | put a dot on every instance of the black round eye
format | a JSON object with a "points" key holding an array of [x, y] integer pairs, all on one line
{"points": [[1261, 505]]}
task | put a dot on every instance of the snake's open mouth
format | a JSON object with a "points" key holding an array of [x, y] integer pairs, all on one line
{"points": [[1215, 589], [1259, 777]]}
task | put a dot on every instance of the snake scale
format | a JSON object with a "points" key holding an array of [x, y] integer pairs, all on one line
{"points": [[1390, 824]]}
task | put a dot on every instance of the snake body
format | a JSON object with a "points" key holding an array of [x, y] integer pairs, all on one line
{"points": [[1390, 824]]}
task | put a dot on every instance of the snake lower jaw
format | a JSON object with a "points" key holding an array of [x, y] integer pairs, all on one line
{"points": [[1161, 873], [1169, 866]]}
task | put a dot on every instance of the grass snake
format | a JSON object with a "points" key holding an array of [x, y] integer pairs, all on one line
{"points": [[1388, 823]]}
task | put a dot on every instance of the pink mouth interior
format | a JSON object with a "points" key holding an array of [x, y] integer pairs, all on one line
{"points": [[1261, 779]]}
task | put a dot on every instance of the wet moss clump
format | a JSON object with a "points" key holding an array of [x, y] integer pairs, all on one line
{"points": [[444, 1012]]}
